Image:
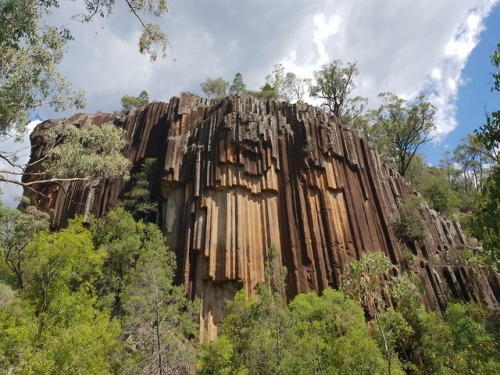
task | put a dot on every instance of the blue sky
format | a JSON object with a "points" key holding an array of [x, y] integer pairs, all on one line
{"points": [[474, 95]]}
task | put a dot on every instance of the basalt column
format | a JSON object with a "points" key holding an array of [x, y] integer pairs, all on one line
{"points": [[242, 174]]}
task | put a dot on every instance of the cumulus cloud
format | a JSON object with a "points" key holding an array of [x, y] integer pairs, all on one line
{"points": [[406, 47], [401, 46], [443, 87]]}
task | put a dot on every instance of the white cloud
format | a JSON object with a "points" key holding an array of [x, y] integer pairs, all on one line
{"points": [[437, 73], [400, 46], [445, 85], [323, 31]]}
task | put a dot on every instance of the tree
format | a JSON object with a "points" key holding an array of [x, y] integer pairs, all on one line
{"points": [[55, 325], [484, 221], [258, 331], [130, 102], [295, 87], [152, 41], [158, 317], [473, 159], [274, 83], [238, 86], [218, 358], [330, 336], [73, 153], [159, 323], [410, 227], [401, 127], [495, 61], [334, 84], [282, 85], [215, 88], [30, 54], [123, 239], [31, 51], [142, 199], [438, 192], [435, 185], [367, 281], [17, 230], [83, 153]]}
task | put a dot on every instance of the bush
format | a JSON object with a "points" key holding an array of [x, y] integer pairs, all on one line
{"points": [[410, 227]]}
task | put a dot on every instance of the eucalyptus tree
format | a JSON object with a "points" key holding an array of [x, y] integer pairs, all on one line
{"points": [[295, 87], [334, 84], [55, 325], [400, 127], [130, 102], [485, 221], [31, 51], [215, 87]]}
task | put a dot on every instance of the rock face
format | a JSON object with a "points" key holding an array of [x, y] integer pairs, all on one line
{"points": [[243, 173]]}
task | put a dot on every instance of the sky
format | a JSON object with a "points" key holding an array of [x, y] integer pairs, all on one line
{"points": [[442, 48]]}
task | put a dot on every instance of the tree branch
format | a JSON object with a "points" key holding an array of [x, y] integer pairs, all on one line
{"points": [[132, 9]]}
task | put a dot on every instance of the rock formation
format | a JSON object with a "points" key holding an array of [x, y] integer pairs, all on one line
{"points": [[244, 173]]}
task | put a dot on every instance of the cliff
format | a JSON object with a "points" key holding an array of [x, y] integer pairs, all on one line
{"points": [[243, 173]]}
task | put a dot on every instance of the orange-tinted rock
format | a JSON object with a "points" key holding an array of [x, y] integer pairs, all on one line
{"points": [[243, 173]]}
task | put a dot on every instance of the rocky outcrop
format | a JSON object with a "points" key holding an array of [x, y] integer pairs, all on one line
{"points": [[243, 173]]}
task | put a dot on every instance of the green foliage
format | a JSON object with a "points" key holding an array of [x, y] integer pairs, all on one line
{"points": [[131, 102], [60, 321], [258, 333], [495, 61], [158, 317], [484, 221], [475, 349], [459, 344], [368, 282], [54, 324], [363, 281], [142, 199], [295, 87], [473, 162], [215, 88], [218, 359], [410, 227], [152, 41], [123, 239], [6, 294], [137, 284], [238, 86], [31, 51], [401, 127], [285, 86], [30, 54], [274, 84], [17, 230], [331, 337], [464, 342], [319, 335], [85, 153], [334, 83], [434, 186], [61, 263]]}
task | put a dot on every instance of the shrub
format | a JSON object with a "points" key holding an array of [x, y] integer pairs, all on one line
{"points": [[410, 227]]}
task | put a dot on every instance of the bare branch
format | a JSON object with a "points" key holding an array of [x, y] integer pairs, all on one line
{"points": [[132, 9]]}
